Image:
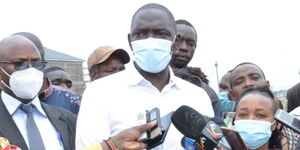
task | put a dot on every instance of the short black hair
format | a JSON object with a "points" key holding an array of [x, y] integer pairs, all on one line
{"points": [[35, 40], [155, 6], [52, 68], [241, 64], [185, 22], [262, 90], [250, 63]]}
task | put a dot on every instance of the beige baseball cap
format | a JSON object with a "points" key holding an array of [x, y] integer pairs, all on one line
{"points": [[102, 53]]}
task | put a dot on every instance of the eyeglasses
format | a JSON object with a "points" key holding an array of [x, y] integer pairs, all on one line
{"points": [[21, 65]]}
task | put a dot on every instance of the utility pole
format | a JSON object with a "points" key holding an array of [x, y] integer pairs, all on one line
{"points": [[216, 65]]}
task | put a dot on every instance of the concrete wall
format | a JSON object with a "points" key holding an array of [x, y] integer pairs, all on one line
{"points": [[75, 71]]}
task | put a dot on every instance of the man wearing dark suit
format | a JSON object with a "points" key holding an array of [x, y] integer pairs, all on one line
{"points": [[25, 121], [52, 94]]}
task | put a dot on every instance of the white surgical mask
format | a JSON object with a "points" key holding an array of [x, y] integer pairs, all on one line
{"points": [[152, 54], [26, 83]]}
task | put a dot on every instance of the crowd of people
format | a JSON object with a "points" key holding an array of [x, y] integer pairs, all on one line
{"points": [[39, 111]]}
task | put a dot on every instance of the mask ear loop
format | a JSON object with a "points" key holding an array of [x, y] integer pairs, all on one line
{"points": [[174, 39], [233, 119], [273, 122], [2, 80], [277, 127], [173, 42], [5, 71]]}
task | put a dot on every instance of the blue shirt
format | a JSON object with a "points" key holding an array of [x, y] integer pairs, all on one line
{"points": [[61, 97]]}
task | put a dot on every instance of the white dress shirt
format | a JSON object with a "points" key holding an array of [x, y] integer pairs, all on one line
{"points": [[50, 136], [112, 104]]}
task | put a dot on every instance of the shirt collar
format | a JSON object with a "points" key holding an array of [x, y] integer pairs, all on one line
{"points": [[136, 78], [47, 92], [12, 104]]}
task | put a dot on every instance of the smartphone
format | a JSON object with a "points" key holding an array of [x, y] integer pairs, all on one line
{"points": [[287, 120], [156, 131], [234, 139], [165, 125], [156, 135]]}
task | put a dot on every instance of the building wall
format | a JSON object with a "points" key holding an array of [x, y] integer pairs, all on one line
{"points": [[75, 71]]}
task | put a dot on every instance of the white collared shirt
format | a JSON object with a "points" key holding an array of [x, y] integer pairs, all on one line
{"points": [[50, 136], [112, 104]]}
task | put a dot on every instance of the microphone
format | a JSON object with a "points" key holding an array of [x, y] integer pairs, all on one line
{"points": [[193, 125], [218, 121], [223, 142], [288, 120], [188, 143]]}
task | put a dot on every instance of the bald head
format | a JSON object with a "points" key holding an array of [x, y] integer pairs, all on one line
{"points": [[14, 51], [156, 7], [224, 85], [35, 40], [152, 21], [8, 45]]}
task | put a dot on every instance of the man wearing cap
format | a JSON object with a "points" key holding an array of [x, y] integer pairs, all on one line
{"points": [[106, 60]]}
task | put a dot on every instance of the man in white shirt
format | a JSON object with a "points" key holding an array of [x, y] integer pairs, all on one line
{"points": [[114, 103], [25, 121]]}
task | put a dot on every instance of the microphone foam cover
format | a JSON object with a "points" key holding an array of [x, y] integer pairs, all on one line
{"points": [[188, 121]]}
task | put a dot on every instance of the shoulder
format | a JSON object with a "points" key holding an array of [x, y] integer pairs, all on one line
{"points": [[118, 78], [185, 85], [198, 98], [64, 94], [59, 112], [192, 90]]}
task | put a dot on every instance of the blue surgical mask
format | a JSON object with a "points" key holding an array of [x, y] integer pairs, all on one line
{"points": [[152, 54], [254, 133], [227, 104]]}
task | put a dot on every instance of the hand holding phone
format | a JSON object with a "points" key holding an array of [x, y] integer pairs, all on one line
{"points": [[288, 120], [156, 135]]}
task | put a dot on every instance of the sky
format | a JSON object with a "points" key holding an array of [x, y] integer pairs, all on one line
{"points": [[265, 32]]}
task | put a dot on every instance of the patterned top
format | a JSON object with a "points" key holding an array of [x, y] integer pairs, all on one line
{"points": [[292, 138], [5, 145], [61, 97]]}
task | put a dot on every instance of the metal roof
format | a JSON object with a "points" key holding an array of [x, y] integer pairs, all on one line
{"points": [[55, 55]]}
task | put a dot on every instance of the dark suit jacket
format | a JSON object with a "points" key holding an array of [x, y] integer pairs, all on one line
{"points": [[63, 120], [298, 144]]}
